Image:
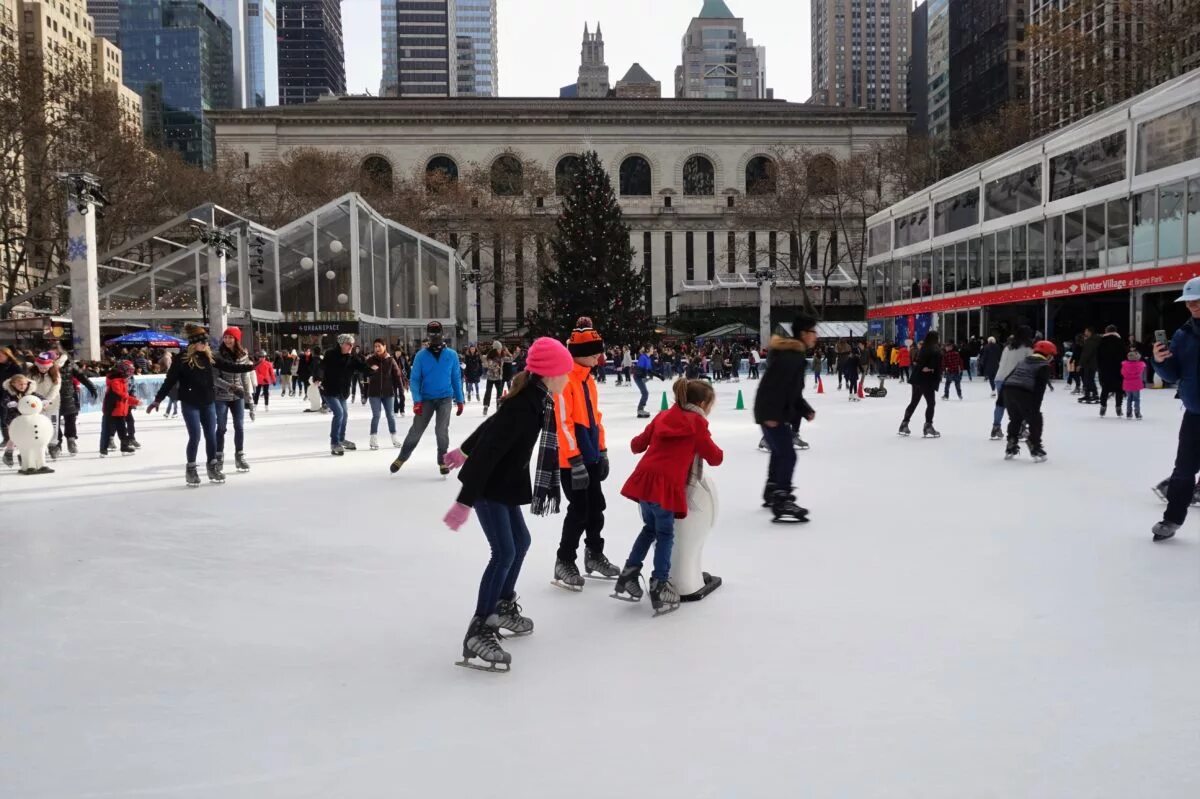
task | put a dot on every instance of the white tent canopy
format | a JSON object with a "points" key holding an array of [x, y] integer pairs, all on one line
{"points": [[834, 329]]}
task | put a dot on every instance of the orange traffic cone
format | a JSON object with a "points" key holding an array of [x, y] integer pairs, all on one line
{"points": [[820, 385], [860, 389]]}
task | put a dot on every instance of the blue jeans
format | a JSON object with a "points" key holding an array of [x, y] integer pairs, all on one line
{"points": [[658, 529], [956, 379], [236, 407], [200, 419], [998, 413], [504, 526], [1133, 403], [337, 425], [640, 382], [783, 456], [382, 404]]}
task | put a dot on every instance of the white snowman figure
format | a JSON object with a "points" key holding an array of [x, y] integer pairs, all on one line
{"points": [[691, 532], [32, 433]]}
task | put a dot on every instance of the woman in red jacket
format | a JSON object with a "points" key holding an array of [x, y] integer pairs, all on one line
{"points": [[672, 443], [264, 371]]}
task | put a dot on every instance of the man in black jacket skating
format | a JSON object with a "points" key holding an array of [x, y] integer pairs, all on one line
{"points": [[334, 375], [780, 402]]}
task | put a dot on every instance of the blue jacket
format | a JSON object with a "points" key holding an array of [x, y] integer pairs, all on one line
{"points": [[1184, 367], [645, 366], [436, 376]]}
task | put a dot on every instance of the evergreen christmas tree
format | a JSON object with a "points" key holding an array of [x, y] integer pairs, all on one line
{"points": [[593, 274]]}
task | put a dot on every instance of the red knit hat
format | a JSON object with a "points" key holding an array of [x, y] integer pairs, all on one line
{"points": [[548, 358], [585, 340], [236, 332]]}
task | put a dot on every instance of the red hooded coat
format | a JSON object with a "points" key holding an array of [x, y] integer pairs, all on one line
{"points": [[671, 442]]}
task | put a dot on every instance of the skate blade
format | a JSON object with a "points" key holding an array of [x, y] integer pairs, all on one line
{"points": [[495, 668], [790, 520], [1008, 456], [625, 598], [591, 576], [572, 588], [504, 634], [665, 609]]}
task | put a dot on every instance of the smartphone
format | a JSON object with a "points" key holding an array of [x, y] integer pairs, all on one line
{"points": [[1160, 336]]}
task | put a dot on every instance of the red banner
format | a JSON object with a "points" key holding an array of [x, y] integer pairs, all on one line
{"points": [[1140, 279]]}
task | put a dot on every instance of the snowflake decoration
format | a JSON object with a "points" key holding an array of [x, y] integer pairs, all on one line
{"points": [[77, 248]]}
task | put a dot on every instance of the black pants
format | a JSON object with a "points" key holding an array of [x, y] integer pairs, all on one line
{"points": [[1187, 463], [1023, 408], [263, 390], [487, 393], [919, 391], [1118, 392], [783, 458], [1089, 383], [69, 428], [118, 425], [585, 515], [753, 371]]}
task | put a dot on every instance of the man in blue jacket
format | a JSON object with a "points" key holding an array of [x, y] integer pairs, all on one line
{"points": [[436, 382], [1180, 363]]}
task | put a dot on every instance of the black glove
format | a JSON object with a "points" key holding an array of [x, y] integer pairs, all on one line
{"points": [[580, 479], [603, 465]]}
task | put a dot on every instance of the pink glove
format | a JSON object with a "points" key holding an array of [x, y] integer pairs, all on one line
{"points": [[457, 516], [454, 459]]}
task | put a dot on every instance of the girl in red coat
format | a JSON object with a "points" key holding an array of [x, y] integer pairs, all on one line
{"points": [[118, 402], [264, 371], [672, 442]]}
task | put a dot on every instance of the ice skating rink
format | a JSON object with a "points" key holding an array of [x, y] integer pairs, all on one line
{"points": [[949, 625]]}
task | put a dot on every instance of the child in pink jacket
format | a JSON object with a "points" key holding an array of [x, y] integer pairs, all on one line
{"points": [[1133, 370]]}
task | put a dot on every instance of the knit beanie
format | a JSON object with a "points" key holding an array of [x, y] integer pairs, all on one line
{"points": [[195, 333], [236, 332], [585, 340], [548, 358]]}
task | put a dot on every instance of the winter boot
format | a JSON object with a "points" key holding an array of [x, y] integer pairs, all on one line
{"points": [[1012, 450], [929, 432], [215, 475], [1164, 530], [482, 642], [904, 431], [566, 575], [193, 479], [628, 587], [374, 441], [239, 461], [597, 562], [996, 434], [511, 619], [72, 446], [663, 597]]}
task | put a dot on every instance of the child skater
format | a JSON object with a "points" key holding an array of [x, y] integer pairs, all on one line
{"points": [[118, 408], [1133, 373], [495, 483], [672, 441], [1023, 390]]}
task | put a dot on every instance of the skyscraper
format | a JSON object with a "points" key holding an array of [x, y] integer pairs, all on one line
{"points": [[593, 72], [860, 51], [937, 68], [179, 57], [987, 59], [311, 59], [419, 48], [255, 50], [476, 40], [917, 88], [106, 14], [719, 62]]}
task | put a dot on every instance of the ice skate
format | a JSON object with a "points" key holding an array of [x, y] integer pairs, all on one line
{"points": [[53, 451], [239, 461], [798, 442], [996, 434], [374, 441], [762, 445], [1164, 530], [904, 431], [566, 576], [1037, 453], [396, 464], [443, 469], [337, 450], [221, 460], [628, 587], [8, 458], [135, 442], [643, 414], [215, 475], [929, 431], [1139, 416], [663, 597], [597, 562], [396, 442], [768, 495], [127, 448], [72, 446], [1012, 450], [511, 619], [193, 479], [349, 446], [1103, 411], [1196, 497], [785, 509], [1160, 490], [481, 643]]}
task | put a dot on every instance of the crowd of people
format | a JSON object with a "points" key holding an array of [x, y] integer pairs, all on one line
{"points": [[549, 415]]}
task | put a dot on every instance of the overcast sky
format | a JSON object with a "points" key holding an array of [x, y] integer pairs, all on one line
{"points": [[540, 39]]}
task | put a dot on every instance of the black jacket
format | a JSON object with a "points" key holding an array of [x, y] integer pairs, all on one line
{"points": [[1031, 374], [1110, 354], [989, 360], [474, 364], [499, 451], [304, 369], [780, 395], [336, 372], [930, 357], [195, 383], [68, 402]]}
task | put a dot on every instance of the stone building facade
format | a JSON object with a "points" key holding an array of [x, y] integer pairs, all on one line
{"points": [[681, 168]]}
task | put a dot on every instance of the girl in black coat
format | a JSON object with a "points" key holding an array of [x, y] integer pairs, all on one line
{"points": [[925, 379], [495, 483]]}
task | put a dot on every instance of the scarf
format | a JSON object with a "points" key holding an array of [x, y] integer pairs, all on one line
{"points": [[697, 470], [546, 497]]}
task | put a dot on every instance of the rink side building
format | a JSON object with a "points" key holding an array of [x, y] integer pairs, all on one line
{"points": [[1095, 224]]}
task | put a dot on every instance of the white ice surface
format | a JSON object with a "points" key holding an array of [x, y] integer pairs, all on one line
{"points": [[949, 624]]}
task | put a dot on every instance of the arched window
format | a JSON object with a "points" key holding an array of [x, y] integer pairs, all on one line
{"points": [[377, 173], [564, 173], [635, 177], [698, 177], [507, 177], [760, 175], [439, 171], [822, 175]]}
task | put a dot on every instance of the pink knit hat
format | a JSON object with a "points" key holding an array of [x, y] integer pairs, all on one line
{"points": [[548, 358]]}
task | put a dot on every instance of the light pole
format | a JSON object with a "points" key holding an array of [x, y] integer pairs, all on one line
{"points": [[220, 244], [84, 196], [766, 281], [470, 279]]}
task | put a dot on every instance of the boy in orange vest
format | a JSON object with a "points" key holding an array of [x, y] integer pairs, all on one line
{"points": [[583, 463]]}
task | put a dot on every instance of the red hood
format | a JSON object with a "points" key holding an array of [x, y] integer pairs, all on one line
{"points": [[678, 423]]}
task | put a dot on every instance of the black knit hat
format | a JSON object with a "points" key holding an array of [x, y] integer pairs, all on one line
{"points": [[585, 340], [802, 323], [195, 333]]}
